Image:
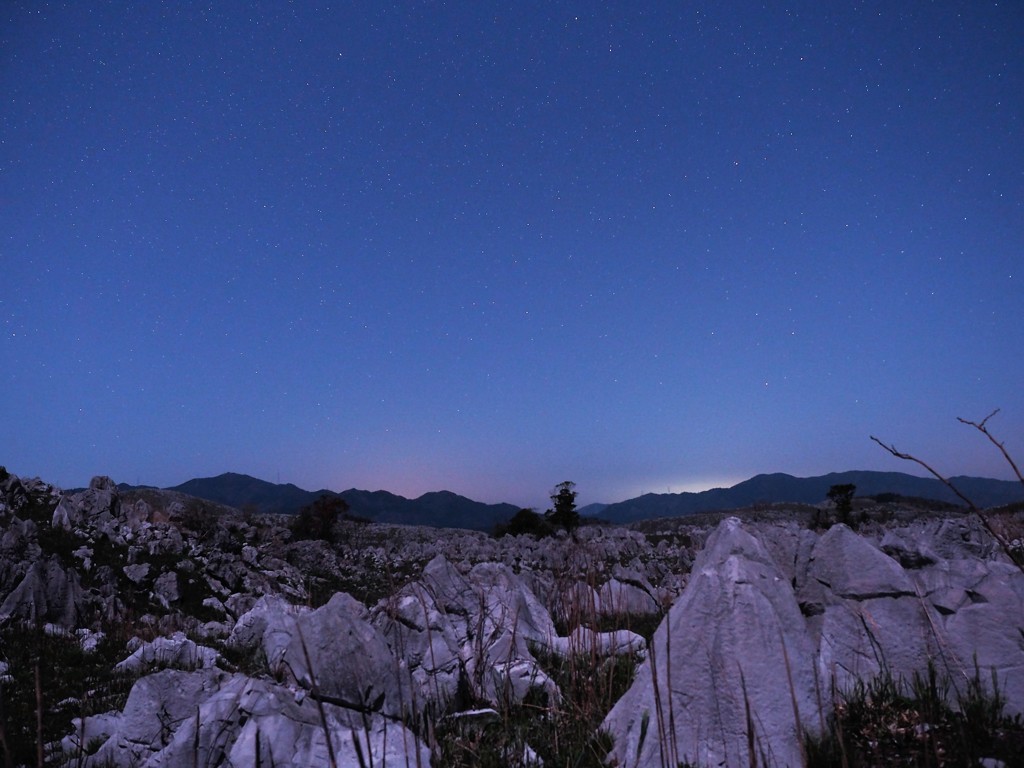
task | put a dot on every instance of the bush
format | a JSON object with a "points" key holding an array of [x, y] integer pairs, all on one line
{"points": [[842, 497], [525, 521], [316, 520], [198, 518]]}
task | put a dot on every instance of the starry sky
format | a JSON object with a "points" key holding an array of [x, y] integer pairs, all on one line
{"points": [[488, 247]]}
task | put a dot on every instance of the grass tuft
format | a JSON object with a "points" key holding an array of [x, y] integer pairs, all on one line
{"points": [[884, 722]]}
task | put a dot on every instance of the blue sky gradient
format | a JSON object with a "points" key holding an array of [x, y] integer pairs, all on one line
{"points": [[488, 247]]}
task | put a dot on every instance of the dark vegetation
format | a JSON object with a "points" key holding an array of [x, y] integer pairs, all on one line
{"points": [[561, 733], [841, 497], [562, 516], [927, 722], [50, 680], [563, 513], [528, 522], [317, 520]]}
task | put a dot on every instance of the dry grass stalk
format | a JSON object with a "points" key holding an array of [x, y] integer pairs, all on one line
{"points": [[39, 713], [332, 761], [673, 744], [195, 743], [4, 746], [751, 736], [659, 714], [792, 699]]}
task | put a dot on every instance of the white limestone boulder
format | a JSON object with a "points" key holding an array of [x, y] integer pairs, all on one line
{"points": [[337, 653], [176, 651], [48, 592], [724, 666]]}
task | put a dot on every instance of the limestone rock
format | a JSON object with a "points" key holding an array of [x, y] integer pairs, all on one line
{"points": [[47, 593], [136, 572], [176, 651], [156, 708], [617, 598], [850, 567], [165, 588], [208, 718], [734, 638], [99, 506], [585, 642], [336, 652], [255, 722], [267, 626], [475, 630], [986, 633]]}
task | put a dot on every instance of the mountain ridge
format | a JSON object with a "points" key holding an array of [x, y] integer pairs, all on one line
{"points": [[448, 509], [781, 487], [434, 508]]}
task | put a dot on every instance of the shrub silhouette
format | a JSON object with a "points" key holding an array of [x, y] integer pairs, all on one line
{"points": [[316, 520], [525, 521], [564, 514], [842, 496]]}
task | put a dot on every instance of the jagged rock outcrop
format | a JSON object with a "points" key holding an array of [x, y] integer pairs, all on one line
{"points": [[176, 651], [732, 651], [474, 630], [746, 652], [156, 708], [979, 621], [48, 593], [335, 652], [212, 718], [771, 616], [99, 504], [627, 592], [872, 618], [256, 722]]}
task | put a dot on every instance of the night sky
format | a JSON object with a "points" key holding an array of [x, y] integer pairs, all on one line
{"points": [[488, 247]]}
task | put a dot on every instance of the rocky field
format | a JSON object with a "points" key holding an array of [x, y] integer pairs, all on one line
{"points": [[148, 628]]}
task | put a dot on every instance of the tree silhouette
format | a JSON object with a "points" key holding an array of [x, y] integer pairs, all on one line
{"points": [[842, 496], [564, 514], [316, 520]]}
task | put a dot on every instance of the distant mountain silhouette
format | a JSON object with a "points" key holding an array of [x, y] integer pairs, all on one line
{"points": [[592, 510], [781, 487], [447, 509], [438, 508], [240, 491]]}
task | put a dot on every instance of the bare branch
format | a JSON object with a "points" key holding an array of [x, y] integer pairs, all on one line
{"points": [[980, 426], [908, 457], [1000, 540]]}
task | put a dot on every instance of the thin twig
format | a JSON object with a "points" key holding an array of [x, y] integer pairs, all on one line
{"points": [[908, 457], [980, 426], [1000, 540]]}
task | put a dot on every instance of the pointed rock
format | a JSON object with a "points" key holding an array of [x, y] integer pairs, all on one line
{"points": [[723, 667]]}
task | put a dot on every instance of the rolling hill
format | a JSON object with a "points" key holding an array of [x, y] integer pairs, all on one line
{"points": [[780, 487]]}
